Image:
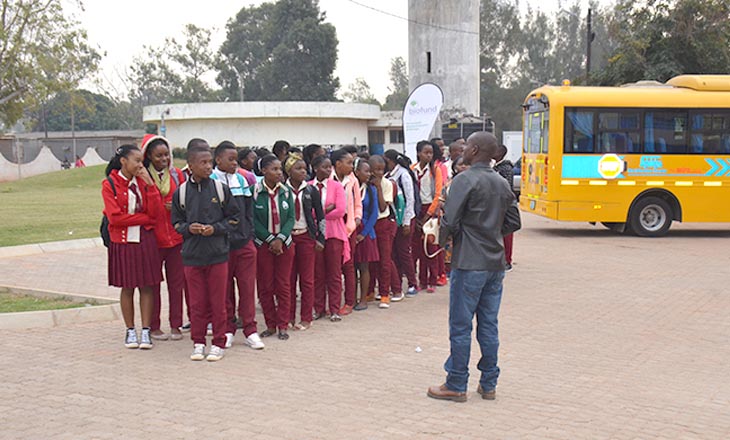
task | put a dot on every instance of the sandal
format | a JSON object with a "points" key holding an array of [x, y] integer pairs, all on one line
{"points": [[268, 332], [361, 306], [303, 326], [283, 335]]}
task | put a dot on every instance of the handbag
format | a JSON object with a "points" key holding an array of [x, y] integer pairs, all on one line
{"points": [[431, 236]]}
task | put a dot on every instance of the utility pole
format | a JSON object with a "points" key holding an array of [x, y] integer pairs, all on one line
{"points": [[589, 39]]}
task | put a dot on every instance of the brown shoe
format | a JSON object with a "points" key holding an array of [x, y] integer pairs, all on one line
{"points": [[442, 393], [487, 395]]}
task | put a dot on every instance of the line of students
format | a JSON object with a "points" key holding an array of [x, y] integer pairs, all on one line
{"points": [[218, 228]]}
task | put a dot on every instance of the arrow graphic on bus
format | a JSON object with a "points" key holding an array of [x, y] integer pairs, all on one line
{"points": [[718, 167]]}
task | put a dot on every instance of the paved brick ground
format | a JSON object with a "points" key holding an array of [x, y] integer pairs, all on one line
{"points": [[602, 337]]}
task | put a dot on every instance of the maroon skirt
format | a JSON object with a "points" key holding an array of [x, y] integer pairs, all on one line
{"points": [[367, 250], [134, 265]]}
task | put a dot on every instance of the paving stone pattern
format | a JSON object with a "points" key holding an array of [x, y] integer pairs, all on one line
{"points": [[603, 337]]}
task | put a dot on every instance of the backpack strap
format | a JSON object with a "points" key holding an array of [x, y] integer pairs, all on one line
{"points": [[114, 188], [219, 190], [175, 176], [182, 190]]}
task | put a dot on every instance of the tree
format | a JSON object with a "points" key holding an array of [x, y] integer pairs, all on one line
{"points": [[398, 85], [174, 72], [92, 112], [42, 52], [659, 39], [359, 91], [280, 51]]}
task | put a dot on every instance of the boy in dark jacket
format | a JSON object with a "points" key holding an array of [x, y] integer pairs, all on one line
{"points": [[242, 257], [203, 212]]}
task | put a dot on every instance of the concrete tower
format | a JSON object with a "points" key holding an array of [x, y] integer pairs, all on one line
{"points": [[443, 48]]}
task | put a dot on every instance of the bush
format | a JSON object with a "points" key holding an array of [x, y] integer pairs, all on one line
{"points": [[178, 153]]}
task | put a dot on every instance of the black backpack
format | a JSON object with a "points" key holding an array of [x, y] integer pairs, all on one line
{"points": [[104, 227]]}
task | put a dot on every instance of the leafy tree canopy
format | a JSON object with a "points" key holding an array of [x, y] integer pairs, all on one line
{"points": [[281, 51], [42, 52]]}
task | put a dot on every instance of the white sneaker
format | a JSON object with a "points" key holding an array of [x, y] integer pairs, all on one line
{"points": [[131, 341], [145, 341], [198, 352], [397, 297], [254, 341], [229, 340], [215, 354]]}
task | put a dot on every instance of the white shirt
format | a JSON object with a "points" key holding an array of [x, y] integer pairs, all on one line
{"points": [[133, 232], [425, 183], [386, 186], [323, 191], [302, 222]]}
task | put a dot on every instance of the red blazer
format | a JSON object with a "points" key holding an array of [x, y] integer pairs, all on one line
{"points": [[167, 236], [115, 208]]}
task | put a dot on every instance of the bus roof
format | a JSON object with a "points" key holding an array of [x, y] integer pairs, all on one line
{"points": [[691, 91]]}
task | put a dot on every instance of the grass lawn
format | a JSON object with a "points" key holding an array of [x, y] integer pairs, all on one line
{"points": [[11, 302], [62, 205]]}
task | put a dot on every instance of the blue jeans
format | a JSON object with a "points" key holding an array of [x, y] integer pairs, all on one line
{"points": [[473, 292]]}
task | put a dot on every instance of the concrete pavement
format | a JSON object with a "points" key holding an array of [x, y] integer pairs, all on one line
{"points": [[603, 337]]}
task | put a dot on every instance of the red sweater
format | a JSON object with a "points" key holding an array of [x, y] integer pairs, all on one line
{"points": [[116, 208], [167, 236]]}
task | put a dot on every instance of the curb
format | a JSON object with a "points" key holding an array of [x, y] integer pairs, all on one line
{"points": [[107, 310], [51, 246]]}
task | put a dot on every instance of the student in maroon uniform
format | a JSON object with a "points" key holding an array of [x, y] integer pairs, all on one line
{"points": [[384, 269], [367, 246], [132, 206], [308, 237], [273, 222], [167, 178], [328, 267], [242, 256], [204, 213]]}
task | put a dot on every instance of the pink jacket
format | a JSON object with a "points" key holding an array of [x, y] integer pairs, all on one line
{"points": [[335, 219], [354, 203]]}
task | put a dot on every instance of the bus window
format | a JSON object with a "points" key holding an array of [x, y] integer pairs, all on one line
{"points": [[618, 132], [578, 132], [665, 132], [545, 130], [534, 132], [710, 133]]}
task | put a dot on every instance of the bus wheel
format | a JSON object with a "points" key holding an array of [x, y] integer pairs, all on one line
{"points": [[650, 217]]}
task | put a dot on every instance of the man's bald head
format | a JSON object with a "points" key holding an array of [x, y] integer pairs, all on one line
{"points": [[481, 147]]}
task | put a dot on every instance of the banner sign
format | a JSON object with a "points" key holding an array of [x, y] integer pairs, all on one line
{"points": [[419, 115]]}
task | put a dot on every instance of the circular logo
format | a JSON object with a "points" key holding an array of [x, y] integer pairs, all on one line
{"points": [[284, 205], [610, 166]]}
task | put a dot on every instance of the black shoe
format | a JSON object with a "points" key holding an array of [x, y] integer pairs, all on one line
{"points": [[509, 268], [185, 327], [283, 335]]}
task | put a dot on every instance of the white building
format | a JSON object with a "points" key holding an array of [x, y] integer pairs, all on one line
{"points": [[260, 124]]}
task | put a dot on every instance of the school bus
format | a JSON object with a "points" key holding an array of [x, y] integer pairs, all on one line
{"points": [[634, 158]]}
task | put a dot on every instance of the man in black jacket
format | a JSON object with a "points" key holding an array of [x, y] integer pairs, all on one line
{"points": [[204, 213], [479, 211]]}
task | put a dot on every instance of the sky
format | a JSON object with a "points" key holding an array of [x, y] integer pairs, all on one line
{"points": [[368, 39]]}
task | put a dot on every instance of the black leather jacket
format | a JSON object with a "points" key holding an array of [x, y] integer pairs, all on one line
{"points": [[479, 211]]}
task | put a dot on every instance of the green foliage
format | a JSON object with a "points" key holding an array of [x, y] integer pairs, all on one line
{"points": [[92, 112], [659, 39], [281, 51], [174, 72], [399, 85], [359, 91], [42, 52]]}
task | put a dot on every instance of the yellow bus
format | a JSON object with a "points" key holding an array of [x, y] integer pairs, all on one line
{"points": [[634, 158]]}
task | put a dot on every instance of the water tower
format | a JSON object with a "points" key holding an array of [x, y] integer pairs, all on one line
{"points": [[443, 48]]}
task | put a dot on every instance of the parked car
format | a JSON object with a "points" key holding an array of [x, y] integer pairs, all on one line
{"points": [[517, 179]]}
